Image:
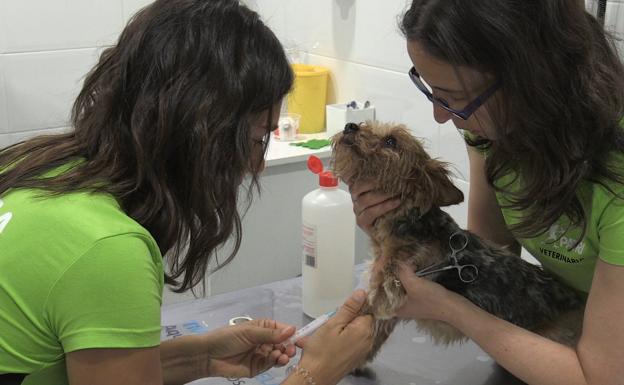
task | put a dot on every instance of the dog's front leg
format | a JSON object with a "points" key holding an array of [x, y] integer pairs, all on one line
{"points": [[381, 332]]}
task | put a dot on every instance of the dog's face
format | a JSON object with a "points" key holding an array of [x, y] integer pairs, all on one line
{"points": [[393, 159]]}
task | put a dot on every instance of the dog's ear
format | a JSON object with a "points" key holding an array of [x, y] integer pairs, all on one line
{"points": [[431, 185], [445, 192]]}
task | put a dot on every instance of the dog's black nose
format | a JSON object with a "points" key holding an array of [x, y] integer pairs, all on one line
{"points": [[351, 127]]}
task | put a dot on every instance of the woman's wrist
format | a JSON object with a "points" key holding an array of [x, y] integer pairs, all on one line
{"points": [[452, 307], [183, 359], [316, 372], [302, 373], [209, 366]]}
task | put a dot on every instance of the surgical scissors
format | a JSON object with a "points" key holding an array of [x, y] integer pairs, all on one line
{"points": [[467, 273]]}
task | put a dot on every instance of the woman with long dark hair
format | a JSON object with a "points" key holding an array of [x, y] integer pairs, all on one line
{"points": [[167, 126], [537, 89]]}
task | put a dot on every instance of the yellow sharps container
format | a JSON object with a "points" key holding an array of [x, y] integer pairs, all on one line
{"points": [[308, 97]]}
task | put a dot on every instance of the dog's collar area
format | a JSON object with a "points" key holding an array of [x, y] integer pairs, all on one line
{"points": [[457, 243]]}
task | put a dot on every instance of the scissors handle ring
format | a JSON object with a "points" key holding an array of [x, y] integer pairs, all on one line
{"points": [[471, 270], [455, 238]]}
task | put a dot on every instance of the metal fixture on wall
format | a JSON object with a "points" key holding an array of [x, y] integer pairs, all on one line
{"points": [[597, 8], [602, 11]]}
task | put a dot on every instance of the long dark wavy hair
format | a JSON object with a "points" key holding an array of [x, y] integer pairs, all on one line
{"points": [[163, 124], [558, 112]]}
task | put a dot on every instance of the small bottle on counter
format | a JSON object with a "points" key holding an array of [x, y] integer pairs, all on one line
{"points": [[328, 232]]}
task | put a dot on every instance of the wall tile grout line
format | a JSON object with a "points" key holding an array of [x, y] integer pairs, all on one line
{"points": [[55, 50], [358, 63]]}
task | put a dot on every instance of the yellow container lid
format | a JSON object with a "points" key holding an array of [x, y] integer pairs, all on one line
{"points": [[305, 70]]}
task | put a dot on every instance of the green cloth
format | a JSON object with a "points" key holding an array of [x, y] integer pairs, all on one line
{"points": [[313, 144], [75, 273], [604, 237]]}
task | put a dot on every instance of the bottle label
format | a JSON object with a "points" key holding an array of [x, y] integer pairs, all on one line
{"points": [[309, 244]]}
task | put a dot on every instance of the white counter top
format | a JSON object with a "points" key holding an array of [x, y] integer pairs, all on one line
{"points": [[280, 152]]}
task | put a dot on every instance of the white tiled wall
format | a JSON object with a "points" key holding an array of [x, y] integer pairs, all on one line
{"points": [[131, 6], [614, 22], [46, 48], [40, 86], [342, 29], [39, 25], [4, 119]]}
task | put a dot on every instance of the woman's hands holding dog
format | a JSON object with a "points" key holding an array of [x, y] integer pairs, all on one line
{"points": [[425, 299], [370, 204]]}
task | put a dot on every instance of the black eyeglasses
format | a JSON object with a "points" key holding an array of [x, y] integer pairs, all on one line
{"points": [[462, 114]]}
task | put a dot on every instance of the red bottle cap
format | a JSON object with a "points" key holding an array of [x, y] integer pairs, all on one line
{"points": [[315, 164], [326, 178]]}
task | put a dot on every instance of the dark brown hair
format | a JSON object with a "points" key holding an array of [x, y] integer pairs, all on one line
{"points": [[562, 98], [163, 124]]}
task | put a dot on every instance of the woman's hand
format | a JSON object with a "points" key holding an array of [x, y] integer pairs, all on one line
{"points": [[248, 349], [369, 204], [425, 299], [340, 345]]}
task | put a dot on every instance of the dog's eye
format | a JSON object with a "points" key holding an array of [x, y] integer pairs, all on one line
{"points": [[390, 142]]}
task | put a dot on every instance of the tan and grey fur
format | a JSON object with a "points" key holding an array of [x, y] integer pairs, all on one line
{"points": [[417, 232]]}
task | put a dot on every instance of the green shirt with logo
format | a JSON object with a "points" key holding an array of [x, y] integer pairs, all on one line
{"points": [[75, 273], [562, 251]]}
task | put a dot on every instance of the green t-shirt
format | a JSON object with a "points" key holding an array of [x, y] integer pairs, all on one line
{"points": [[560, 249], [75, 273]]}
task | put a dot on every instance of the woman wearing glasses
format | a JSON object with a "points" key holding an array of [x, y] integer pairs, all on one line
{"points": [[537, 89], [166, 127]]}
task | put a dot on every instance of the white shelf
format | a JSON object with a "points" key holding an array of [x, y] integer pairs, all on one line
{"points": [[280, 153]]}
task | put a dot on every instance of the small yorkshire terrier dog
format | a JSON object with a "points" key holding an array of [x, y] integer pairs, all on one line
{"points": [[419, 233]]}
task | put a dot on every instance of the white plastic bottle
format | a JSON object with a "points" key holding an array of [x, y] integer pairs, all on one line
{"points": [[328, 244]]}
